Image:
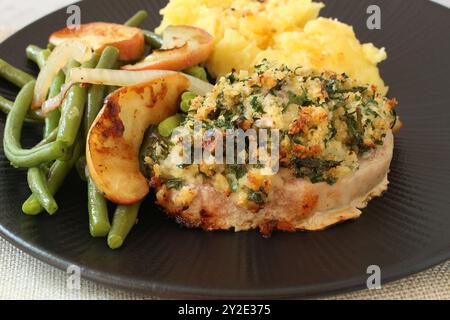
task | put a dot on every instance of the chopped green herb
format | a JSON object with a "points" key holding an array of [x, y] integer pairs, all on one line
{"points": [[174, 184], [313, 168], [353, 90], [238, 170], [299, 100], [256, 197], [394, 113], [331, 180], [231, 77], [277, 87], [256, 105], [333, 132]]}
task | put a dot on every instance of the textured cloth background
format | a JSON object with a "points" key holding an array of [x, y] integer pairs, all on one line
{"points": [[23, 277]]}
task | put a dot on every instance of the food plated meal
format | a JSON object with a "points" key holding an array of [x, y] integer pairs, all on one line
{"points": [[110, 110]]}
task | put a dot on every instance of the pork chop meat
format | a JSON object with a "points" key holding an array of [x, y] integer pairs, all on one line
{"points": [[334, 147]]}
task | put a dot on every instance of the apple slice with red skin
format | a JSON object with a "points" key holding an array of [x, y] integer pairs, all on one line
{"points": [[183, 46], [114, 140], [130, 41]]}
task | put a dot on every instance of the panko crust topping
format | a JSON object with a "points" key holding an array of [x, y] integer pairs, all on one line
{"points": [[327, 123]]}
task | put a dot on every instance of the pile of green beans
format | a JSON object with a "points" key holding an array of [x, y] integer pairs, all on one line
{"points": [[64, 136]]}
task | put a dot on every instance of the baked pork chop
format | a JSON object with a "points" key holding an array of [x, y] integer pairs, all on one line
{"points": [[335, 147]]}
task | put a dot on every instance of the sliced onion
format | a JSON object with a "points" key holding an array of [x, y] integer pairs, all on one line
{"points": [[123, 78], [197, 86], [60, 56], [56, 101]]}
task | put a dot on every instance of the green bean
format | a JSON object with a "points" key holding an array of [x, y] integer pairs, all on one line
{"points": [[14, 75], [137, 19], [58, 172], [26, 158], [92, 62], [95, 97], [186, 99], [166, 127], [51, 46], [111, 89], [80, 165], [108, 58], [96, 93], [198, 72], [53, 117], [39, 187], [6, 105], [125, 217], [38, 55], [50, 137], [57, 84], [73, 108], [69, 151], [31, 117], [35, 180], [99, 225], [152, 39], [70, 65]]}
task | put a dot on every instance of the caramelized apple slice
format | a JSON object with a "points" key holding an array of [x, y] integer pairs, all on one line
{"points": [[129, 41], [116, 135], [183, 46]]}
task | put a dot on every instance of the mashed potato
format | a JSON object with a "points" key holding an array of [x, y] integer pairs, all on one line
{"points": [[286, 31]]}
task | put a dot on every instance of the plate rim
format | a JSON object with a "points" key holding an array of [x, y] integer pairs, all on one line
{"points": [[176, 291]]}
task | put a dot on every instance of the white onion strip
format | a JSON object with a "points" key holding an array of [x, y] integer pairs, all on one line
{"points": [[123, 78], [60, 56]]}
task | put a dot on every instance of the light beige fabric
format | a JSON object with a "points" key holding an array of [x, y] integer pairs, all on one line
{"points": [[23, 277]]}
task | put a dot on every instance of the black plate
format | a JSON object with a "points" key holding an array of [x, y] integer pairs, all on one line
{"points": [[404, 232]]}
